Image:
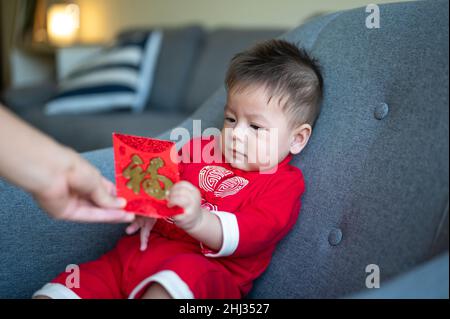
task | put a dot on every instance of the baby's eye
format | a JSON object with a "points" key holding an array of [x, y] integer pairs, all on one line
{"points": [[255, 127], [230, 119]]}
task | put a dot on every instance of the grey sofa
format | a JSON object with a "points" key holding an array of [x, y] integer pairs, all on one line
{"points": [[376, 171], [191, 65]]}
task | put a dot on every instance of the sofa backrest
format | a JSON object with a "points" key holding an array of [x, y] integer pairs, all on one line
{"points": [[179, 52], [376, 167], [219, 47]]}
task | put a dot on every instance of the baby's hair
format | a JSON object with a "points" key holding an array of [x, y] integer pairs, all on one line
{"points": [[286, 71]]}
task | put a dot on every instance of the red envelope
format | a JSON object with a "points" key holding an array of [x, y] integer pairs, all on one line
{"points": [[144, 171]]}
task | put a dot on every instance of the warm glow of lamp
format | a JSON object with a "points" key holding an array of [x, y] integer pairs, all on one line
{"points": [[63, 21]]}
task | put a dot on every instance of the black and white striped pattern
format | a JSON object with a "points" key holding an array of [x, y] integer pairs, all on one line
{"points": [[119, 77]]}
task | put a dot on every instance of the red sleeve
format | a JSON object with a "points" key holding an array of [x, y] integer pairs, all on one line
{"points": [[265, 222]]}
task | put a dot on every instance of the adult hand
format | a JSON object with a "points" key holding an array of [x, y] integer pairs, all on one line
{"points": [[81, 194], [63, 183]]}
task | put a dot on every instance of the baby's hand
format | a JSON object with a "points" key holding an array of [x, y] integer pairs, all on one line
{"points": [[145, 224], [187, 196]]}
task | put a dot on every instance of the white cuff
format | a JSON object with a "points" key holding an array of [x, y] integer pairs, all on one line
{"points": [[230, 231], [169, 279], [56, 291]]}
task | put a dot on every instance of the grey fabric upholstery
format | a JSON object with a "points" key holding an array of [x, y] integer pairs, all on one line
{"points": [[376, 168]]}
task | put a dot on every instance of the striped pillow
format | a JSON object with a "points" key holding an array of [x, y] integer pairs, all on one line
{"points": [[119, 77]]}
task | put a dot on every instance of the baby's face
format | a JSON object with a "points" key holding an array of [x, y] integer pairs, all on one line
{"points": [[255, 133]]}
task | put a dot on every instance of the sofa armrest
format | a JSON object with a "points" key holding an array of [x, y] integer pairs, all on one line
{"points": [[30, 98]]}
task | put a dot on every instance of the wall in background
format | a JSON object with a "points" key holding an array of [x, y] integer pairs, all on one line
{"points": [[101, 19]]}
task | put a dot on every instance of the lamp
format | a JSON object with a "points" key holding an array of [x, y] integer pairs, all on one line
{"points": [[63, 21]]}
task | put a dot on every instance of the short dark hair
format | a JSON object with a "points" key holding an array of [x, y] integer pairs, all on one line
{"points": [[288, 73]]}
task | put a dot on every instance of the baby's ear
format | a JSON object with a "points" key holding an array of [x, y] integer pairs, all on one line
{"points": [[299, 138]]}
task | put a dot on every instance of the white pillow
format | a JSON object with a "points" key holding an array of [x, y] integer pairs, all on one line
{"points": [[119, 77]]}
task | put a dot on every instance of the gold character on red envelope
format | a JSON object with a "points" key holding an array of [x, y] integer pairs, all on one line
{"points": [[149, 179], [144, 172]]}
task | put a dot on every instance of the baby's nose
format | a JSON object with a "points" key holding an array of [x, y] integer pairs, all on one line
{"points": [[239, 134]]}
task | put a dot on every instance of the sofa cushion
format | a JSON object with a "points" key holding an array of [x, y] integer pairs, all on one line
{"points": [[117, 77], [179, 50], [220, 46]]}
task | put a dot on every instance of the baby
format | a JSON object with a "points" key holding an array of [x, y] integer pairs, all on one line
{"points": [[236, 208]]}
